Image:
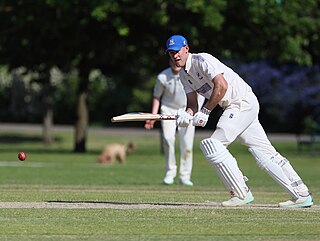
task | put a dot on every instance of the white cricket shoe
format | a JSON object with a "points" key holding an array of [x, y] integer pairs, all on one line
{"points": [[168, 180], [236, 201], [301, 202], [187, 183]]}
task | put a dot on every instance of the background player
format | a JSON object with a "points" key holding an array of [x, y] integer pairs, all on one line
{"points": [[169, 96]]}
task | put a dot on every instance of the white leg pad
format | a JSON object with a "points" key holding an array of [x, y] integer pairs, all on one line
{"points": [[225, 165], [275, 171]]}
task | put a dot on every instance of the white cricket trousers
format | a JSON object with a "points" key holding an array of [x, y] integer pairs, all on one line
{"points": [[186, 138], [240, 120]]}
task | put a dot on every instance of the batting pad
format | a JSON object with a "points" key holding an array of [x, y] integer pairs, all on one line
{"points": [[225, 165], [275, 171]]}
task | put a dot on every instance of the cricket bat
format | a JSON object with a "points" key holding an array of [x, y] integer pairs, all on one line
{"points": [[140, 116]]}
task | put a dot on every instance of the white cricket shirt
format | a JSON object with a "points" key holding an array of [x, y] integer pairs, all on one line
{"points": [[199, 71], [169, 90]]}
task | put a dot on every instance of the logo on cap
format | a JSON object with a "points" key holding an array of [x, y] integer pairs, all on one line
{"points": [[176, 42]]}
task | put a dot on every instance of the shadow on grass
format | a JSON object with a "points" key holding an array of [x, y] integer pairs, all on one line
{"points": [[135, 203], [115, 204]]}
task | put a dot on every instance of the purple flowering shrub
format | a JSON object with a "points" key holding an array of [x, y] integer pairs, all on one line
{"points": [[287, 94]]}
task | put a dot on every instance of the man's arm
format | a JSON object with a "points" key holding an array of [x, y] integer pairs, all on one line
{"points": [[192, 103], [155, 105], [155, 108], [220, 89]]}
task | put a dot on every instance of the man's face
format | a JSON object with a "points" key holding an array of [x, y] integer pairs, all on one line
{"points": [[180, 57], [174, 67]]}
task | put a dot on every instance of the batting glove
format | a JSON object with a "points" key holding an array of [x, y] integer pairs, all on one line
{"points": [[201, 117], [183, 119]]}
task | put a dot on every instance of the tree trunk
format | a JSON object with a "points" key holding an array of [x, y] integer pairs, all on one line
{"points": [[47, 101], [82, 114], [47, 127]]}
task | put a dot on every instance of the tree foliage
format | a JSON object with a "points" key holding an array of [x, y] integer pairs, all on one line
{"points": [[285, 31], [124, 40]]}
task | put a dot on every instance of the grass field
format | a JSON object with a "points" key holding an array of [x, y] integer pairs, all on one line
{"points": [[60, 195]]}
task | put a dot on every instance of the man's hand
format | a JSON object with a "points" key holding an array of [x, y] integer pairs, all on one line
{"points": [[200, 119], [149, 124], [183, 119]]}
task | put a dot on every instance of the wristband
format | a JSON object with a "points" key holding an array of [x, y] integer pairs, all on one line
{"points": [[206, 111]]}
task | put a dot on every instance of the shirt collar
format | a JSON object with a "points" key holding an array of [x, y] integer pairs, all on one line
{"points": [[188, 63]]}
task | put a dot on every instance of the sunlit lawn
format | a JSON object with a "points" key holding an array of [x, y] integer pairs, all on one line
{"points": [[56, 174]]}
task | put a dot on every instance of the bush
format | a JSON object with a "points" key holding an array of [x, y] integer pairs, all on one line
{"points": [[286, 93]]}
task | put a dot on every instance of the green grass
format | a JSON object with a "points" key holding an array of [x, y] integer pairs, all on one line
{"points": [[57, 175]]}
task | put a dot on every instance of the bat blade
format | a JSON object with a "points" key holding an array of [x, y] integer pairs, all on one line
{"points": [[140, 116]]}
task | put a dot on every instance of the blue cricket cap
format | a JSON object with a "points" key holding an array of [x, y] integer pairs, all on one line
{"points": [[176, 42]]}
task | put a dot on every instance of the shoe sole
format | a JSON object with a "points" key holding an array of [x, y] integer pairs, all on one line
{"points": [[300, 205], [245, 202], [297, 206], [306, 204], [168, 184], [186, 184]]}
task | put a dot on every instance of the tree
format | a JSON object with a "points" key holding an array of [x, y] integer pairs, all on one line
{"points": [[26, 41], [285, 31], [125, 40]]}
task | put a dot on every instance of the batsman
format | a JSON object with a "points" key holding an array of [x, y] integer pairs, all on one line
{"points": [[204, 74]]}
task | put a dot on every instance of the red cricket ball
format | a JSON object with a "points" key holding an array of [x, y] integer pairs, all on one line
{"points": [[22, 156]]}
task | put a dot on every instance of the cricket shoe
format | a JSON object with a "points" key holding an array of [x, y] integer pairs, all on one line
{"points": [[168, 181], [301, 202], [236, 201], [187, 183]]}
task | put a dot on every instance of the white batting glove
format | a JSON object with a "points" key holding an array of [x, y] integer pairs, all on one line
{"points": [[183, 119], [201, 117]]}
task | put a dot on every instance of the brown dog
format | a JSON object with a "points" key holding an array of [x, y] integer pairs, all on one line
{"points": [[116, 151]]}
